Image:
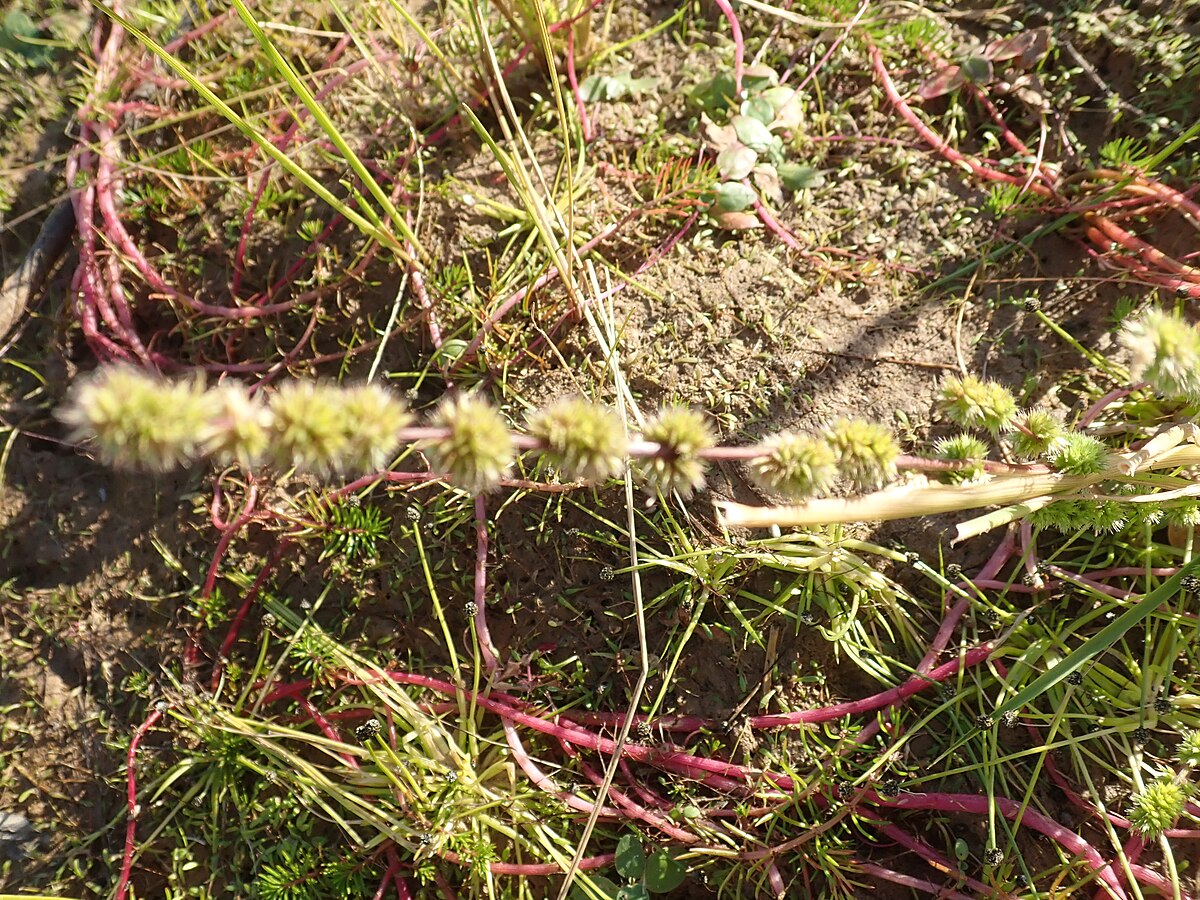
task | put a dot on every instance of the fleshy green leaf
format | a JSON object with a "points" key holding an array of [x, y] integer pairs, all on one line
{"points": [[751, 132], [733, 196], [631, 856], [798, 177], [663, 872], [602, 88], [633, 892], [759, 108], [735, 163]]}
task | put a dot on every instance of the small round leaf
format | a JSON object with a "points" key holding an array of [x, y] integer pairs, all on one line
{"points": [[664, 873], [733, 196], [631, 856]]}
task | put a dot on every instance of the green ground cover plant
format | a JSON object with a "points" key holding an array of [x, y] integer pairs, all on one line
{"points": [[470, 598]]}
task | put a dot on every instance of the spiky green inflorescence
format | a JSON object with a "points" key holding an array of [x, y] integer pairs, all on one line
{"points": [[959, 448], [137, 419], [583, 439], [795, 465], [682, 433], [376, 416], [478, 451], [1078, 454], [1156, 808], [1067, 516], [1107, 516], [1185, 514], [310, 429], [866, 452], [1043, 428], [974, 403], [1166, 352], [239, 430], [1187, 753]]}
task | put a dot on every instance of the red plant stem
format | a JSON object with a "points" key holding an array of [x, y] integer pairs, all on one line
{"points": [[775, 879], [739, 46], [131, 798], [584, 122], [1087, 581], [227, 534], [933, 857], [543, 781], [638, 812], [1104, 402], [975, 804], [941, 639], [326, 728], [876, 701], [487, 650], [389, 873], [402, 890], [1103, 232], [934, 140], [244, 610], [910, 881], [534, 870]]}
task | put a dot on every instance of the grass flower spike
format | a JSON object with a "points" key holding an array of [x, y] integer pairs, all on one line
{"points": [[375, 417], [682, 433], [1166, 353], [866, 452], [795, 465], [310, 428], [137, 419], [1187, 753], [583, 439], [1078, 454], [1037, 431], [959, 448], [239, 430], [974, 403], [1158, 806], [478, 451]]}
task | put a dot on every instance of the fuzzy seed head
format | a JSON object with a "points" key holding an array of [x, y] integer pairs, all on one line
{"points": [[1155, 809], [310, 429], [137, 419], [1044, 431], [1185, 514], [974, 403], [962, 447], [1187, 753], [478, 451], [1107, 516], [1066, 516], [1165, 351], [866, 452], [377, 416], [682, 434], [583, 439], [1078, 454], [239, 431], [795, 465]]}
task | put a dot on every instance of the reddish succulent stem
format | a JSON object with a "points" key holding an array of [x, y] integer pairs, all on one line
{"points": [[910, 881], [131, 799], [978, 805], [739, 46], [584, 122], [934, 858], [487, 650]]}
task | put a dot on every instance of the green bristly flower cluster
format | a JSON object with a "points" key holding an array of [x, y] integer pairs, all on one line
{"points": [[140, 420]]}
